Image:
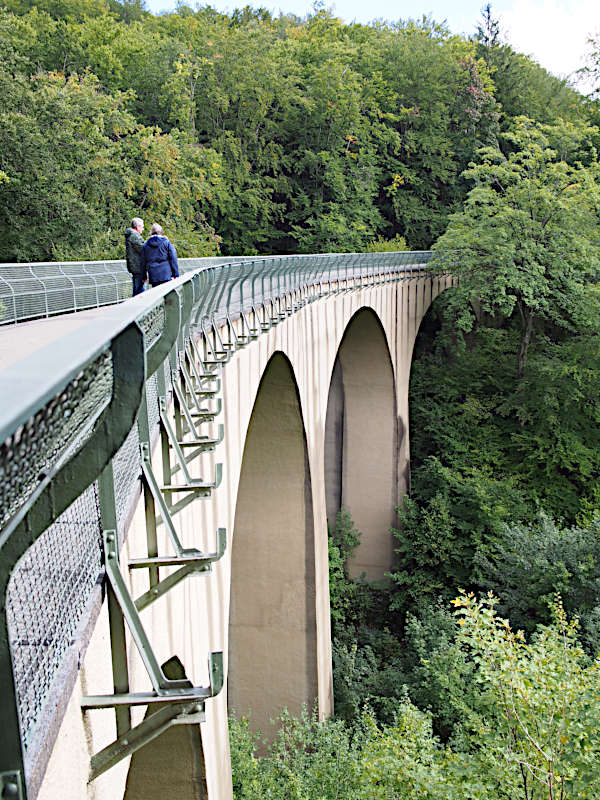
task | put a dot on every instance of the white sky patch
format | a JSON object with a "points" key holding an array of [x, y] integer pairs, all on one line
{"points": [[554, 32]]}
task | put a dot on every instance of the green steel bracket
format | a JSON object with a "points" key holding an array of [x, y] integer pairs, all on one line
{"points": [[11, 786], [274, 318], [195, 358], [194, 393], [203, 442], [260, 325], [251, 333], [176, 446], [195, 381], [288, 307], [197, 412], [196, 489], [188, 564], [160, 683], [213, 355], [202, 489], [147, 730], [207, 414], [164, 689], [220, 346], [281, 312], [185, 708], [298, 299], [236, 339], [191, 495], [189, 555]]}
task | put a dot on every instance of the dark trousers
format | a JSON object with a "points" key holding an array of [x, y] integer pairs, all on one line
{"points": [[138, 284], [160, 283]]}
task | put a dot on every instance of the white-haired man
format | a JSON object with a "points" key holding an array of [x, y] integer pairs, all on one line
{"points": [[134, 244]]}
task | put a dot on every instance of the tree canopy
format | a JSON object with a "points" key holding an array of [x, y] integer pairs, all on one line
{"points": [[244, 132], [528, 236]]}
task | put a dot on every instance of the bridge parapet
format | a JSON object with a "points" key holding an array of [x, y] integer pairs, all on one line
{"points": [[77, 426]]}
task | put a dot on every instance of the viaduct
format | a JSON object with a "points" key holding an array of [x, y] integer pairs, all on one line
{"points": [[168, 467]]}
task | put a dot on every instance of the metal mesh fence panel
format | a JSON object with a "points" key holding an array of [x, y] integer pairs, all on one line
{"points": [[152, 399], [126, 471], [47, 436], [33, 290], [47, 596]]}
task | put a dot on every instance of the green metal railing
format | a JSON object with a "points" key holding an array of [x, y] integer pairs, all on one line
{"points": [[34, 290], [77, 425]]}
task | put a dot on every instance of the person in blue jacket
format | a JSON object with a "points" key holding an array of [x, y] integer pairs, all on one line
{"points": [[159, 258]]}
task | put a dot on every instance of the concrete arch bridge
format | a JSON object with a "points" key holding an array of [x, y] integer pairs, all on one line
{"points": [[168, 468]]}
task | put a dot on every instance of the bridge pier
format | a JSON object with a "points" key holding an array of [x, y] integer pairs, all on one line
{"points": [[272, 626], [361, 436]]}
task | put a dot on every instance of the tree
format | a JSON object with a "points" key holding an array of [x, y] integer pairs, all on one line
{"points": [[530, 564], [488, 32], [527, 240], [543, 737], [521, 85]]}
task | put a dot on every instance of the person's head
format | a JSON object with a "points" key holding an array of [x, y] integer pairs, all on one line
{"points": [[137, 224], [156, 229]]}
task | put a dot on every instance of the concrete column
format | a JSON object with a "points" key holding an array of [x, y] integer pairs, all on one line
{"points": [[369, 442], [334, 444], [272, 629]]}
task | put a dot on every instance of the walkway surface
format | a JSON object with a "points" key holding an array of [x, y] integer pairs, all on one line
{"points": [[20, 340]]}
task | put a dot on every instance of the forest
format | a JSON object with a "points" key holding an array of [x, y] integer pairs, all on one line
{"points": [[246, 133], [472, 670]]}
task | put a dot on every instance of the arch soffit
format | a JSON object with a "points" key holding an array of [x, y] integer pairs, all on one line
{"points": [[347, 329], [256, 386]]}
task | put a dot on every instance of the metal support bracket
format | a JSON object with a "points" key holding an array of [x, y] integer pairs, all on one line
{"points": [[196, 489], [207, 414], [251, 333], [186, 709], [214, 355], [195, 358], [199, 441], [164, 689], [182, 461], [236, 340], [189, 563]]}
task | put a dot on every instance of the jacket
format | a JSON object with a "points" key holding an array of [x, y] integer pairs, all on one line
{"points": [[133, 251], [159, 260]]}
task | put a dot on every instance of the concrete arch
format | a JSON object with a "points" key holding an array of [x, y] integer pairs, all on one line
{"points": [[272, 622], [361, 440]]}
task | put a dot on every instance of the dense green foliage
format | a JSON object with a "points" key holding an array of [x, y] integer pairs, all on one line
{"points": [[525, 728], [244, 132], [527, 238]]}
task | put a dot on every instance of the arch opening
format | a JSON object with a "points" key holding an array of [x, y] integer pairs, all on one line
{"points": [[361, 442], [272, 628]]}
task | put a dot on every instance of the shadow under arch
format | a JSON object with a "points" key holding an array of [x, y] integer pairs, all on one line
{"points": [[272, 624], [361, 441]]}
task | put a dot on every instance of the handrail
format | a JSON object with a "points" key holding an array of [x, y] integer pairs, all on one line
{"points": [[40, 289], [67, 411]]}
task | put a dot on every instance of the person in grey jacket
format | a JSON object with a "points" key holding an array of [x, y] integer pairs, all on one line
{"points": [[133, 253], [159, 257]]}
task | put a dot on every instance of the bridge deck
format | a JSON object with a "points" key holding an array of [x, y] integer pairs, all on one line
{"points": [[19, 341]]}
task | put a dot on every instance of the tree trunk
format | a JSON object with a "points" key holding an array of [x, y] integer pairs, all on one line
{"points": [[526, 332]]}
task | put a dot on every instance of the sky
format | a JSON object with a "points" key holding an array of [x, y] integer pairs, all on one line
{"points": [[554, 32]]}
